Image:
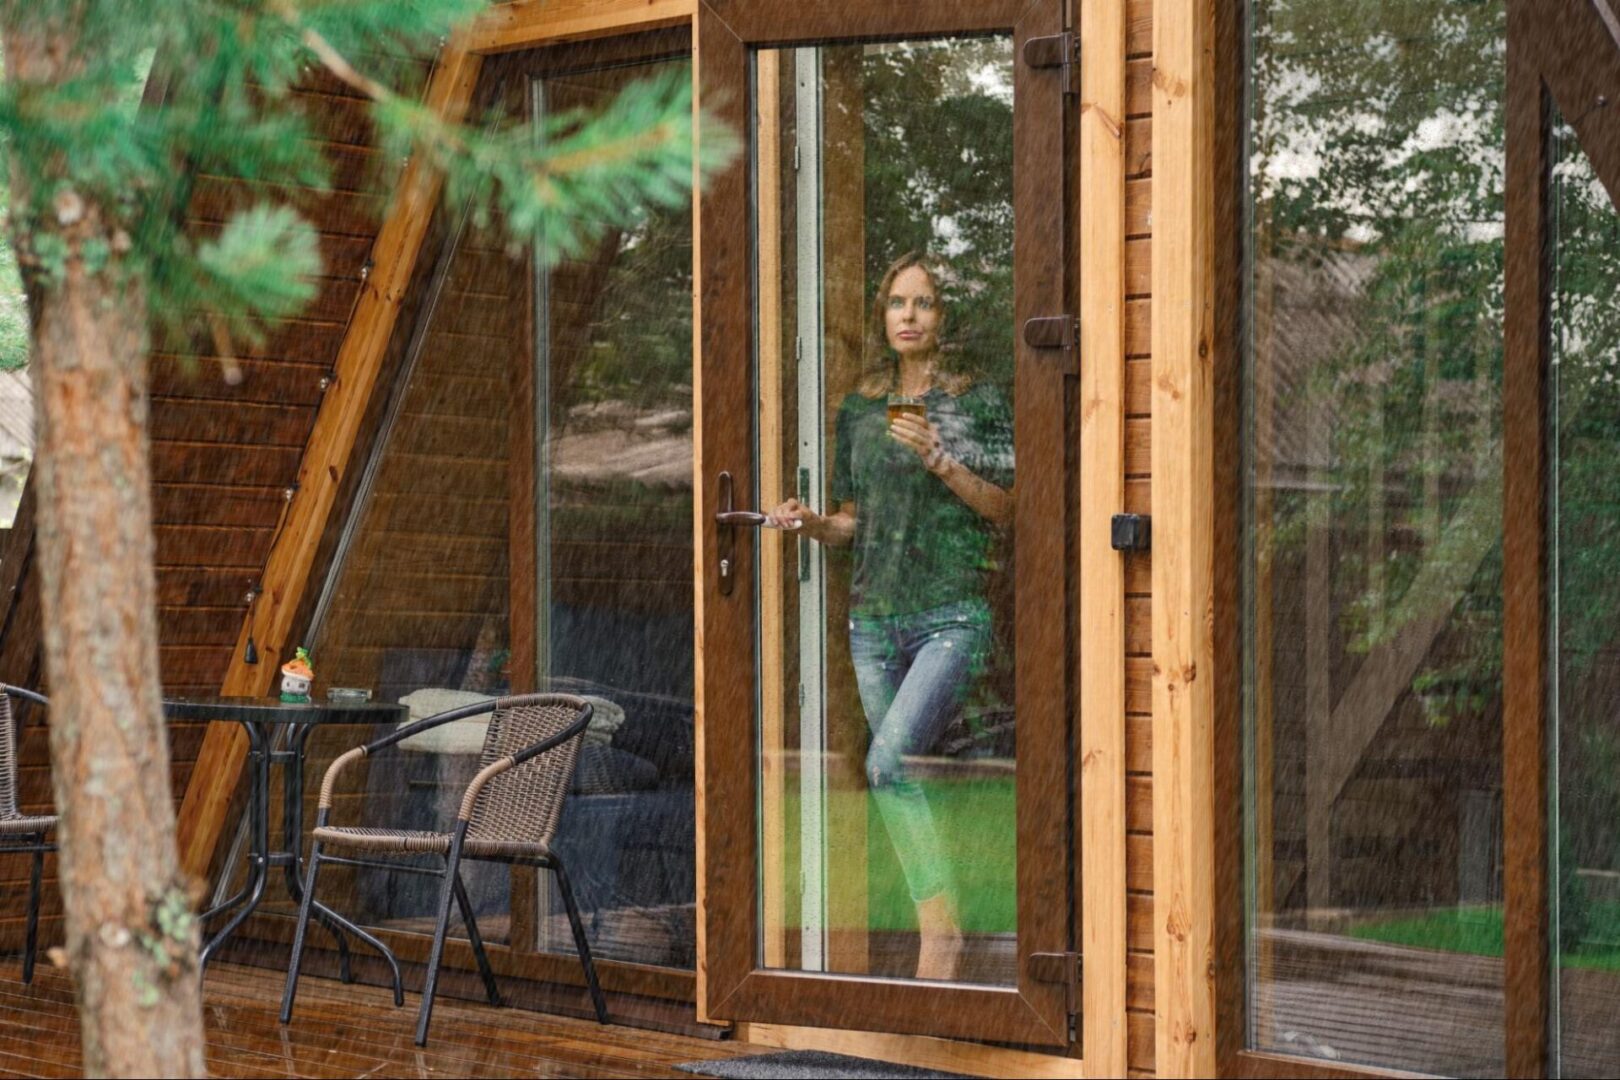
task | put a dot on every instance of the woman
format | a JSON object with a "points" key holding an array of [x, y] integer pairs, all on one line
{"points": [[920, 499]]}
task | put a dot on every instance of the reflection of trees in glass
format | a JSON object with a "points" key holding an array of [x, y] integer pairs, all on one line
{"points": [[1586, 344], [1586, 347], [639, 348], [939, 175], [1377, 161]]}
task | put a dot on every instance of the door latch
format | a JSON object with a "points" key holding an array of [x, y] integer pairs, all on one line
{"points": [[1131, 532], [725, 546]]}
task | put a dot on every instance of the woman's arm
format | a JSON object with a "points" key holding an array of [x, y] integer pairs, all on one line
{"points": [[990, 502], [836, 529]]}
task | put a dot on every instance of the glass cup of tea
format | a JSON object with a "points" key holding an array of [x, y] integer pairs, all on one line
{"points": [[905, 405]]}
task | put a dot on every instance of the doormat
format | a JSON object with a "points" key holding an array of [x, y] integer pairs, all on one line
{"points": [[811, 1065]]}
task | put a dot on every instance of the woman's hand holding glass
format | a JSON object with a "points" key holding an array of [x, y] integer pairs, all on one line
{"points": [[918, 435]]}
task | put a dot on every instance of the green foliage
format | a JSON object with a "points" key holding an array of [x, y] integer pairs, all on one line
{"points": [[222, 107], [1377, 164], [1378, 161], [641, 348], [13, 304], [559, 184], [264, 262]]}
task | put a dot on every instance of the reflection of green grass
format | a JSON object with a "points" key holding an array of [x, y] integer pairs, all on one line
{"points": [[1478, 931], [976, 820]]}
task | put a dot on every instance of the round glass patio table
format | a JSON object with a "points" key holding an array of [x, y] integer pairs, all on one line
{"points": [[261, 718]]}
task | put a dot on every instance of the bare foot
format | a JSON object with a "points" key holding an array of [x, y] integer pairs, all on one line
{"points": [[939, 947]]}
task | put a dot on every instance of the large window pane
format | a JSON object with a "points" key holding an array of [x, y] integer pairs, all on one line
{"points": [[1373, 504], [417, 609], [505, 540], [1585, 614], [614, 560]]}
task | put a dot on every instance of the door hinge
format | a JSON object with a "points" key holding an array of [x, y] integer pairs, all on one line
{"points": [[1056, 332], [1057, 51], [1066, 968]]}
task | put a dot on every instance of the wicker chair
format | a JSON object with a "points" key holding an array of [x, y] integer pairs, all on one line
{"points": [[19, 832], [509, 814]]}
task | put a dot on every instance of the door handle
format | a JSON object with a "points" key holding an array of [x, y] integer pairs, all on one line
{"points": [[729, 519]]}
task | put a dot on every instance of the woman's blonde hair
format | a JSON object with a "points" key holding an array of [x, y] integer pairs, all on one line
{"points": [[880, 367]]}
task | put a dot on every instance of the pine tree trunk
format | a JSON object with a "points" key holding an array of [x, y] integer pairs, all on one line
{"points": [[131, 939]]}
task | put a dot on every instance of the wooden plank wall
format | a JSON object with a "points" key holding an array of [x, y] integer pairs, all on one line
{"points": [[222, 454], [1138, 568]]}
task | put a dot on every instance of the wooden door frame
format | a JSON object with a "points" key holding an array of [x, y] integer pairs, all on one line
{"points": [[1565, 58], [730, 984]]}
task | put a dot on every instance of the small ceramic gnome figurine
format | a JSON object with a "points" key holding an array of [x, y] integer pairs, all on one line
{"points": [[296, 675]]}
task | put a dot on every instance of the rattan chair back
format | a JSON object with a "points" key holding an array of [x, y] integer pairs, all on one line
{"points": [[8, 757], [523, 805]]}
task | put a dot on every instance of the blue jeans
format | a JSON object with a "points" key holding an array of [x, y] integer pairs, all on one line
{"points": [[913, 671]]}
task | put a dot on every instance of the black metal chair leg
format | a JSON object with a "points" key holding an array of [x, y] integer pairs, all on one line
{"points": [[452, 866], [477, 942], [345, 970], [580, 943], [321, 911], [32, 943], [300, 933]]}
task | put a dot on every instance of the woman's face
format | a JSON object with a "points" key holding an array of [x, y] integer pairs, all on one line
{"points": [[911, 315]]}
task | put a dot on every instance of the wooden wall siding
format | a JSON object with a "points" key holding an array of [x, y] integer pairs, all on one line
{"points": [[520, 24], [222, 454], [19, 663], [323, 470], [1139, 909]]}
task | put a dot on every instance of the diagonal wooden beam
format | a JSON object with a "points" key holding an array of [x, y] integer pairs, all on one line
{"points": [[326, 460]]}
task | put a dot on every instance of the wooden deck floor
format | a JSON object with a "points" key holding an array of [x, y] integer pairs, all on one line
{"points": [[341, 1031]]}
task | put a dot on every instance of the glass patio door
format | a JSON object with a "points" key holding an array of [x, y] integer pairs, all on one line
{"points": [[882, 666]]}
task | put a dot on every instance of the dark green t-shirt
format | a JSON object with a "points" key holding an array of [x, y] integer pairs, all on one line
{"points": [[917, 544]]}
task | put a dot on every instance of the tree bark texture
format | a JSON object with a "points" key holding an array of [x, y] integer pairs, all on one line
{"points": [[131, 937]]}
